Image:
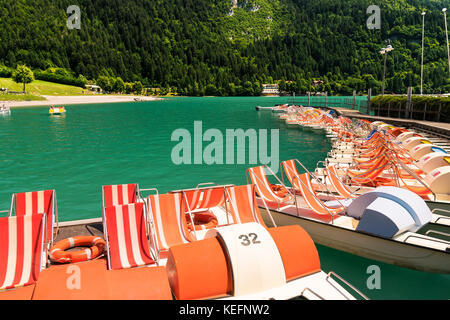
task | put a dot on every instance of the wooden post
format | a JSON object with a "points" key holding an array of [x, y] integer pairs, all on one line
{"points": [[408, 103], [309, 99], [326, 95], [369, 96], [425, 111], [354, 99], [389, 109], [439, 111]]}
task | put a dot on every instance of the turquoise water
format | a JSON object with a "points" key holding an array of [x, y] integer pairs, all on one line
{"points": [[95, 145]]}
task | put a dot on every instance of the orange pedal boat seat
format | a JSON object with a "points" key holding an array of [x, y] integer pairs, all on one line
{"points": [[297, 250], [199, 270], [91, 280], [187, 263]]}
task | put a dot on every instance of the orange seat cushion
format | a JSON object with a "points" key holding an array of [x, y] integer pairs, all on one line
{"points": [[23, 293], [199, 270], [297, 250], [59, 282]]}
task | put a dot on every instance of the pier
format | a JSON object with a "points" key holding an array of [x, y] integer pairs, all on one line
{"points": [[439, 129]]}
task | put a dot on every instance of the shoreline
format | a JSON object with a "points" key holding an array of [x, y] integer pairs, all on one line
{"points": [[70, 100]]}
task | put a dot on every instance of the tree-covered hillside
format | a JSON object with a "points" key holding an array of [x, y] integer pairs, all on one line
{"points": [[199, 47]]}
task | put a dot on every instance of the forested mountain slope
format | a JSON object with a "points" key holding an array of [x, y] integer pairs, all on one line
{"points": [[214, 47]]}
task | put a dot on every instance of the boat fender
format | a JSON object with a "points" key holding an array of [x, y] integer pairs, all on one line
{"points": [[58, 253]]}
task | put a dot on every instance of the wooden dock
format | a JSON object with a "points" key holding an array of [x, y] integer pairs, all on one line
{"points": [[439, 129]]}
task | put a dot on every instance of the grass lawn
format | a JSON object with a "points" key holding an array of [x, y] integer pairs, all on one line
{"points": [[20, 97], [38, 87]]}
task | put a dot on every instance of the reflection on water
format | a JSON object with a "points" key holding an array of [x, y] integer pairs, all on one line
{"points": [[57, 127]]}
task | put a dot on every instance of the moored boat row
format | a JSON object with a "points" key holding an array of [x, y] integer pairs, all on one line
{"points": [[370, 197]]}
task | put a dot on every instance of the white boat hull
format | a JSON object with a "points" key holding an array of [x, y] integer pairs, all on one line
{"points": [[259, 108], [372, 247]]}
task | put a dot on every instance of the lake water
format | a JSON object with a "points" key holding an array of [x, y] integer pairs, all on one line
{"points": [[95, 145]]}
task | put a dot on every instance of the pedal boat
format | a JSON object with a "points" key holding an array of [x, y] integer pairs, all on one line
{"points": [[57, 111]]}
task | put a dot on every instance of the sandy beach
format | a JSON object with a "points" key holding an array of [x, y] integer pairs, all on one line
{"points": [[68, 100]]}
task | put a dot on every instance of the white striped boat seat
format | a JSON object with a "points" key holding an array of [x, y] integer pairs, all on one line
{"points": [[21, 245], [127, 236], [119, 194], [170, 223], [244, 208], [35, 202]]}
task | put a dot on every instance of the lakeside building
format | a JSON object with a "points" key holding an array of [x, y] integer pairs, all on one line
{"points": [[270, 89], [94, 88]]}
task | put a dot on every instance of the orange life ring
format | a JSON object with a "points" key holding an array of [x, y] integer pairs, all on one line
{"points": [[58, 253], [279, 190], [202, 220]]}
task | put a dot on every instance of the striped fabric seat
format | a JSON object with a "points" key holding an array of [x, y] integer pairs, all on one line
{"points": [[126, 235], [302, 184], [290, 169], [337, 184], [312, 200], [263, 186], [206, 198], [243, 204], [170, 224], [35, 202], [21, 246], [119, 194]]}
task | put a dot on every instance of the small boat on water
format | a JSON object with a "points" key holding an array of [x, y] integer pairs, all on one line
{"points": [[282, 108], [201, 243], [5, 110], [259, 108], [56, 110]]}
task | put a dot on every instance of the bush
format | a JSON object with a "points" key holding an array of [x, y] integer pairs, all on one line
{"points": [[137, 87], [210, 90], [5, 72], [434, 104], [60, 75]]}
